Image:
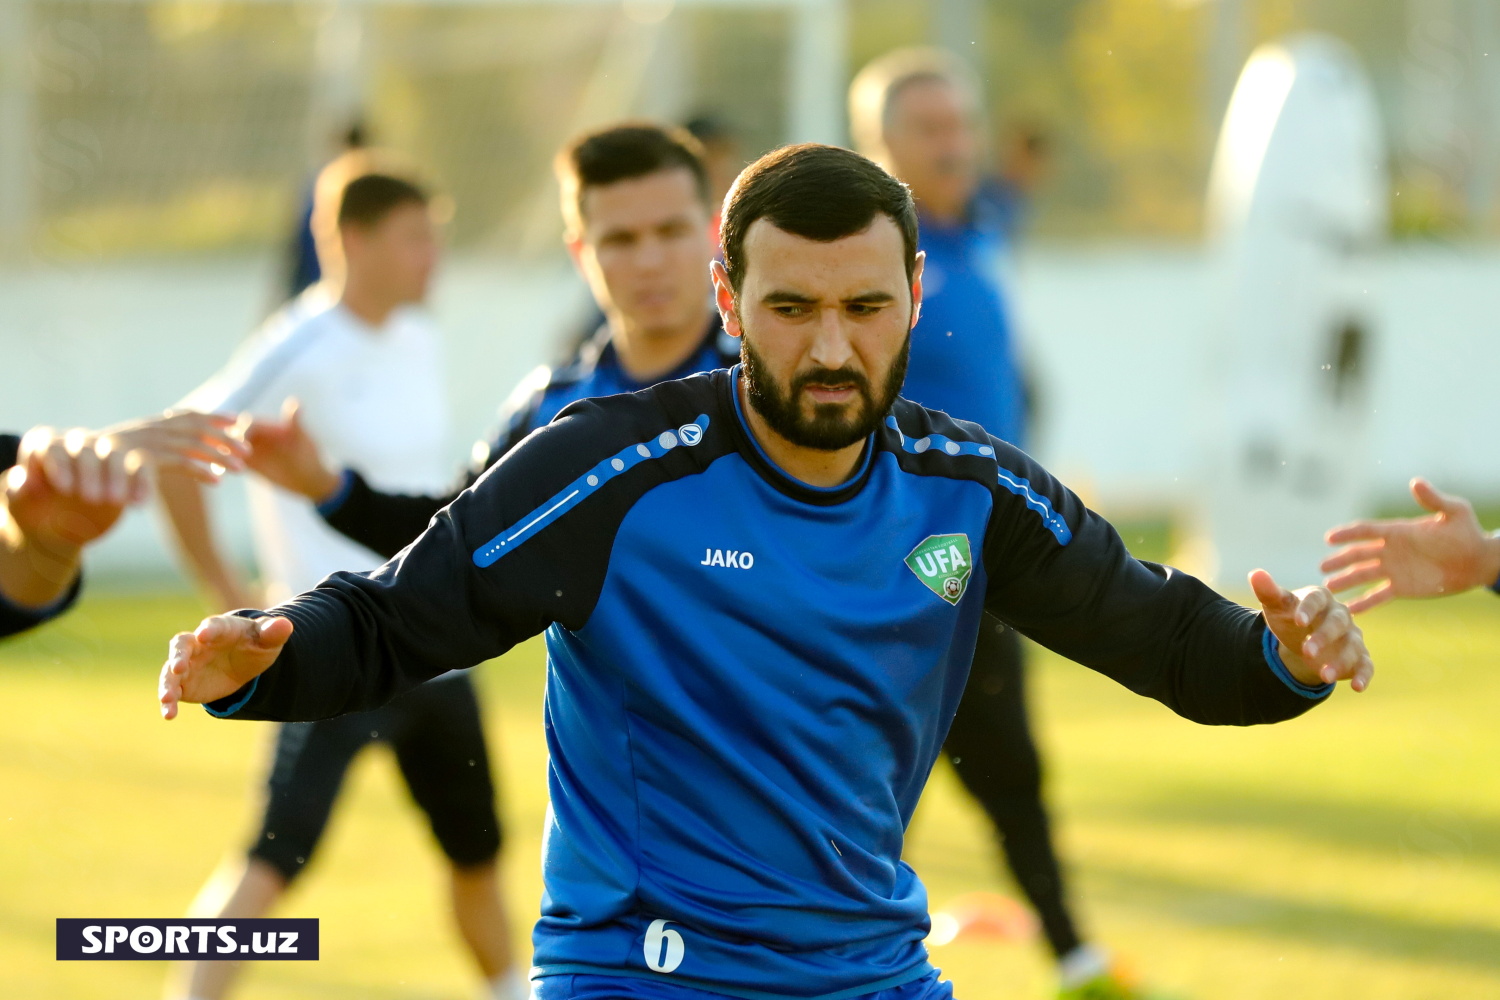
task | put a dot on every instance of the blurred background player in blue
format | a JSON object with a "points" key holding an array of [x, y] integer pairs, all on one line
{"points": [[1023, 164], [917, 112], [361, 364]]}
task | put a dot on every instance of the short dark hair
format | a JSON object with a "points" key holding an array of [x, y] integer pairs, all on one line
{"points": [[369, 198], [624, 152], [817, 192]]}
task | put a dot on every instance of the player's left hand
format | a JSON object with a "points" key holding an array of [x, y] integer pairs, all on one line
{"points": [[1320, 644]]}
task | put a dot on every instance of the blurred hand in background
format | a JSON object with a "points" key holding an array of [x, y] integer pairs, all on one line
{"points": [[68, 488], [284, 453], [1444, 553]]}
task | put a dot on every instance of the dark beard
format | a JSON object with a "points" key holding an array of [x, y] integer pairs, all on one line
{"points": [[831, 427]]}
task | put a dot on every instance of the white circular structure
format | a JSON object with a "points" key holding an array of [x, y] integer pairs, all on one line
{"points": [[1296, 201]]}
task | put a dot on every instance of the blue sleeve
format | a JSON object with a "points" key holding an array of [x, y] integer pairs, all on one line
{"points": [[1271, 647]]}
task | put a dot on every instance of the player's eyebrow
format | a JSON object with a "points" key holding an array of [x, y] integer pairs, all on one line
{"points": [[871, 299], [779, 298], [785, 298]]}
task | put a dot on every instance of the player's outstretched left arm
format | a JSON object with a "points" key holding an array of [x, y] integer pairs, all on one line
{"points": [[218, 658], [1318, 640], [1060, 574]]}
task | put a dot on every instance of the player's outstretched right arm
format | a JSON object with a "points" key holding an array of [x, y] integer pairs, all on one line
{"points": [[360, 639]]}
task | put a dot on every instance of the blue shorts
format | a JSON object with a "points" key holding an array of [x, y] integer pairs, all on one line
{"points": [[597, 987]]}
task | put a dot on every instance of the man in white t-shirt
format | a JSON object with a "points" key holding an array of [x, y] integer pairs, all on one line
{"points": [[356, 362]]}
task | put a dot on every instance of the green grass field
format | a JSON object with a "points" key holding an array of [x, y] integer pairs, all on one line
{"points": [[1353, 854]]}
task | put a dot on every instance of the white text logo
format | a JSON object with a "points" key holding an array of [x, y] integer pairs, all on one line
{"points": [[728, 558]]}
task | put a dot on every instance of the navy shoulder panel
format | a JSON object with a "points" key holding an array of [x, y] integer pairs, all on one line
{"points": [[591, 464], [549, 509], [930, 442]]}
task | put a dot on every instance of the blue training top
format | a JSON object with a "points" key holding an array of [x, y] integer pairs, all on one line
{"points": [[962, 356], [749, 678]]}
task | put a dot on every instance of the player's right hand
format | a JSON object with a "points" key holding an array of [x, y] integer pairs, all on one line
{"points": [[218, 658], [283, 452]]}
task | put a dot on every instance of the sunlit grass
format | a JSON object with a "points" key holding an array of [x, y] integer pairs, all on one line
{"points": [[1353, 854]]}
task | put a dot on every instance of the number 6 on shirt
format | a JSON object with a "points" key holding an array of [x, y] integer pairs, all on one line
{"points": [[658, 960]]}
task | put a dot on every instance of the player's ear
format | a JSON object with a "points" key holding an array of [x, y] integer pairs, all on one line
{"points": [[350, 240], [724, 299], [916, 287], [573, 241]]}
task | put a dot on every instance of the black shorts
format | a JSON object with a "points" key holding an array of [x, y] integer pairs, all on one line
{"points": [[438, 738]]}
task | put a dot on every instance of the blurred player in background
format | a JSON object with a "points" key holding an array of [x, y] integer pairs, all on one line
{"points": [[918, 113], [364, 367], [1445, 553], [718, 148], [62, 490], [636, 203]]}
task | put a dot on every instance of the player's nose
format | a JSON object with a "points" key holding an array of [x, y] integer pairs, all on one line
{"points": [[831, 345]]}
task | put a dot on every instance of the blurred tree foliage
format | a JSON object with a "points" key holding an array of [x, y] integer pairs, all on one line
{"points": [[1126, 90], [189, 125]]}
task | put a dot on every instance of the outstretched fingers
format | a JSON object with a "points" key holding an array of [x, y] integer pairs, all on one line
{"points": [[1312, 606], [180, 654], [1374, 599], [1357, 576], [1272, 596], [1336, 647], [1358, 531], [1351, 554], [1435, 500], [220, 630]]}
